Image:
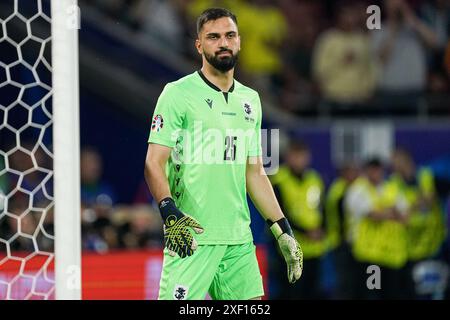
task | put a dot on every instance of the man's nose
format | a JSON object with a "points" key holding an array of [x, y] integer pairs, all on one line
{"points": [[223, 42]]}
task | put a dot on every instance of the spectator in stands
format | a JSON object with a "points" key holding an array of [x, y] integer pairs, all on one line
{"points": [[378, 232], [400, 47], [436, 14], [337, 224], [426, 226], [441, 172], [93, 190], [19, 221], [2, 199], [3, 188], [299, 190], [45, 242], [294, 84], [343, 64], [261, 54], [264, 28], [447, 59], [164, 22], [142, 228], [97, 199], [98, 232], [37, 180], [3, 180]]}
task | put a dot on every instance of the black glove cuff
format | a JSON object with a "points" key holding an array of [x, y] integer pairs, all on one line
{"points": [[279, 227], [168, 207]]}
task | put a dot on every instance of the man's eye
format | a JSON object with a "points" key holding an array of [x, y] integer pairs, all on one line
{"points": [[232, 35], [212, 37]]}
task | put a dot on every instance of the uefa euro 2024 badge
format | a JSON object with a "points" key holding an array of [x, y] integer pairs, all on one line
{"points": [[157, 123]]}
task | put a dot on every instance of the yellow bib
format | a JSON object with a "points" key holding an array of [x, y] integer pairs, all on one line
{"points": [[301, 199], [383, 243]]}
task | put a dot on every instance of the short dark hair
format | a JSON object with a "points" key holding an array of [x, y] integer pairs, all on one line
{"points": [[212, 14], [403, 152], [297, 145], [373, 162]]}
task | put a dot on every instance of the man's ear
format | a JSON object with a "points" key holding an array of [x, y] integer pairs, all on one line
{"points": [[198, 45]]}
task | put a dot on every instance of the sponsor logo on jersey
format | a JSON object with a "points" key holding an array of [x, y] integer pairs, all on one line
{"points": [[157, 123], [180, 292], [228, 113]]}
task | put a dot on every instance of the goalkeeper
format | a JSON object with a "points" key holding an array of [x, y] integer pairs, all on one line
{"points": [[208, 242]]}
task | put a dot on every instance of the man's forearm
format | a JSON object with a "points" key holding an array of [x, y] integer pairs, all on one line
{"points": [[263, 196], [157, 182], [260, 190], [425, 33]]}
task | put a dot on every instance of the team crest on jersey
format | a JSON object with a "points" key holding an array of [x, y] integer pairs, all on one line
{"points": [[180, 292], [248, 112], [247, 108], [157, 123]]}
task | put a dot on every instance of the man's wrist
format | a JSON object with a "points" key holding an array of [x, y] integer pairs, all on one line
{"points": [[167, 207], [279, 227], [164, 202]]}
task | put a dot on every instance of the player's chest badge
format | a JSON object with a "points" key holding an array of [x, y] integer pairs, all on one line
{"points": [[248, 112]]}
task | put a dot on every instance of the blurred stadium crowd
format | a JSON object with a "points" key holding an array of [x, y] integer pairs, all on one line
{"points": [[319, 56], [313, 56], [393, 215]]}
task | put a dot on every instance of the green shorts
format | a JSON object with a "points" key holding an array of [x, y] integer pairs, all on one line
{"points": [[226, 272]]}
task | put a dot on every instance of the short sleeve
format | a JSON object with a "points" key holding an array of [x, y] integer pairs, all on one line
{"points": [[168, 117], [255, 140]]}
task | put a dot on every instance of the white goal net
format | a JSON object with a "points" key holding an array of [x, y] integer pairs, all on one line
{"points": [[27, 237]]}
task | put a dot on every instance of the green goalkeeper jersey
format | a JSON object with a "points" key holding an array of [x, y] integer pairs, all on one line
{"points": [[211, 134]]}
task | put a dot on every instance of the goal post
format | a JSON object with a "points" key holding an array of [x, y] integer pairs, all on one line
{"points": [[66, 147], [40, 224]]}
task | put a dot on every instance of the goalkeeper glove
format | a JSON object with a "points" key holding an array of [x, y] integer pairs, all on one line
{"points": [[177, 237], [289, 247]]}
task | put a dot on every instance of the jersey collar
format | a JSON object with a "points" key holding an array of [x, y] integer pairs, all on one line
{"points": [[212, 85]]}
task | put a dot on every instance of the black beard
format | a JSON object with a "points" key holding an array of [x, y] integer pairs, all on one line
{"points": [[222, 64]]}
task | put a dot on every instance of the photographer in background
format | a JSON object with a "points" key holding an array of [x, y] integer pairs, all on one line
{"points": [[401, 49]]}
